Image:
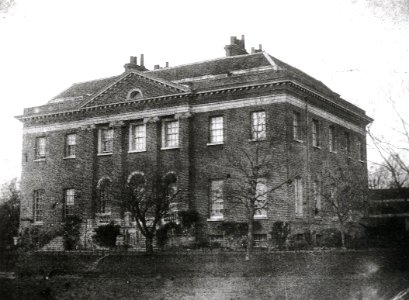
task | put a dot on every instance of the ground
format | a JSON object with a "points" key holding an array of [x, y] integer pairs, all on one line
{"points": [[298, 275]]}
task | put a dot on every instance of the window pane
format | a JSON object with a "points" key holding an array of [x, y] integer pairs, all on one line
{"points": [[315, 133], [332, 139], [69, 202], [106, 140], [298, 192], [71, 141], [258, 125], [261, 198], [296, 126], [347, 143], [40, 148], [216, 199], [138, 139], [172, 134], [38, 205], [216, 130]]}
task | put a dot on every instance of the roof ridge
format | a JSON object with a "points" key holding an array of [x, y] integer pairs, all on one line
{"points": [[203, 61]]}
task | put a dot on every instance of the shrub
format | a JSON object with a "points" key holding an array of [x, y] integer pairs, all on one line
{"points": [[189, 218], [279, 233], [71, 232], [105, 235], [162, 232]]}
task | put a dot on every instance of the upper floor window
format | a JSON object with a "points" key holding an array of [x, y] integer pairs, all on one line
{"points": [[216, 199], [361, 149], [69, 201], [137, 137], [299, 201], [38, 202], [105, 140], [261, 199], [347, 138], [315, 133], [296, 125], [216, 130], [332, 139], [70, 145], [170, 138], [40, 148], [258, 125]]}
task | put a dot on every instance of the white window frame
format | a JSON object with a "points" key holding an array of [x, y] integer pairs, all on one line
{"points": [[261, 199], [347, 140], [258, 125], [316, 189], [105, 198], [101, 131], [315, 131], [299, 199], [332, 139], [38, 203], [40, 148], [216, 130], [216, 199], [70, 145], [165, 142], [69, 202], [133, 138], [360, 146]]}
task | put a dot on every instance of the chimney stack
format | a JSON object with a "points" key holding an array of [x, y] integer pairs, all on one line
{"points": [[156, 67], [167, 64], [142, 60], [133, 64], [236, 47]]}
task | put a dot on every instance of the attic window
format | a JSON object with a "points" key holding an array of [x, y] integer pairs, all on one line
{"points": [[134, 94]]}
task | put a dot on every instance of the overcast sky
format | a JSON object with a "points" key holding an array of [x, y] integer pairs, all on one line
{"points": [[357, 48]]}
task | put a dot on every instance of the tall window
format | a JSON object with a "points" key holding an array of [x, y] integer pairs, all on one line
{"points": [[216, 200], [171, 134], [216, 130], [332, 139], [347, 143], [40, 148], [137, 140], [38, 203], [70, 145], [316, 189], [315, 133], [104, 189], [258, 125], [69, 201], [298, 192], [361, 149], [296, 125], [261, 199], [106, 140]]}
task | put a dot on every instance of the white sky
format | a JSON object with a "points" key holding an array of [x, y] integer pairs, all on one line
{"points": [[357, 48]]}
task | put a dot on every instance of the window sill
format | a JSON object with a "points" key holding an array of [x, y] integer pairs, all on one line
{"points": [[39, 159], [361, 161], [70, 157], [38, 223], [104, 154], [214, 144], [107, 214], [298, 141], [169, 148], [334, 152], [136, 151], [257, 140], [215, 219], [317, 147], [260, 218]]}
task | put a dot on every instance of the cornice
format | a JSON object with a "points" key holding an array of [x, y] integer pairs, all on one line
{"points": [[281, 83]]}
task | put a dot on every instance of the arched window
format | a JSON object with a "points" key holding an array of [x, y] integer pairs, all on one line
{"points": [[170, 181], [104, 195], [136, 182], [134, 94]]}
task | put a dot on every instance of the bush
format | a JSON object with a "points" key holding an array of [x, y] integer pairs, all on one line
{"points": [[279, 233], [189, 218], [162, 232], [105, 235], [71, 232]]}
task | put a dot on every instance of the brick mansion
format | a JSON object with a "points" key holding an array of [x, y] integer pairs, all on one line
{"points": [[83, 146]]}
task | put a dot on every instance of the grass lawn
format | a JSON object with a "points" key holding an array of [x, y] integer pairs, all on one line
{"points": [[339, 275]]}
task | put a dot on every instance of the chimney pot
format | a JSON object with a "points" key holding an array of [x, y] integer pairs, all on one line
{"points": [[253, 50], [260, 47], [167, 64], [133, 60], [155, 67], [232, 40], [142, 60]]}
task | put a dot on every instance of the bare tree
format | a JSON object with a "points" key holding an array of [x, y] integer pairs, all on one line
{"points": [[251, 168], [149, 202], [344, 195]]}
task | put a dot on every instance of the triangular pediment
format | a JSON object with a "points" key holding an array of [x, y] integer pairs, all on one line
{"points": [[134, 86]]}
